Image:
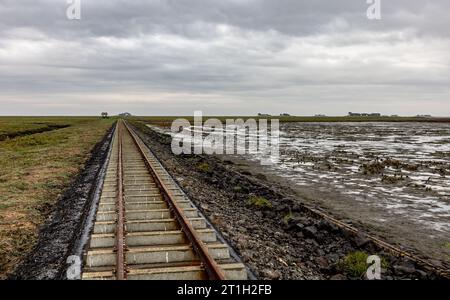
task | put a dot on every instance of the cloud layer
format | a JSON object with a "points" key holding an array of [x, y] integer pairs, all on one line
{"points": [[224, 57]]}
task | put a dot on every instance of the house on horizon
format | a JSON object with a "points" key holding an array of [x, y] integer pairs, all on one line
{"points": [[125, 114], [351, 114]]}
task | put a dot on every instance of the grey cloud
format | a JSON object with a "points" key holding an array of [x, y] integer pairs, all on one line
{"points": [[246, 55]]}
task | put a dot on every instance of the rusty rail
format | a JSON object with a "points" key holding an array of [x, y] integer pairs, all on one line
{"points": [[120, 241], [211, 267]]}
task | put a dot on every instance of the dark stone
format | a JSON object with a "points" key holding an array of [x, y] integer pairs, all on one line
{"points": [[300, 220], [261, 176], [361, 239], [299, 226], [405, 268], [322, 262], [333, 257], [300, 235], [422, 274], [271, 274], [310, 231], [296, 207], [338, 277]]}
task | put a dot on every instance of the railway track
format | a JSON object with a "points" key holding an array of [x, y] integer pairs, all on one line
{"points": [[146, 227]]}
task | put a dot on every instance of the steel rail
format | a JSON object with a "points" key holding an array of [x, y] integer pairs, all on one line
{"points": [[120, 240], [212, 269]]}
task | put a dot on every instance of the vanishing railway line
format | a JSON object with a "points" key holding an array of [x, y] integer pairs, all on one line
{"points": [[145, 226]]}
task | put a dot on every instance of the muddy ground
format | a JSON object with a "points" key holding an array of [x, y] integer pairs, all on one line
{"points": [[280, 241], [392, 177], [61, 232]]}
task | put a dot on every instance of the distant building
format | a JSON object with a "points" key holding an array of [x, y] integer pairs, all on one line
{"points": [[104, 115], [423, 116], [351, 114], [285, 115], [125, 114], [320, 115], [263, 115]]}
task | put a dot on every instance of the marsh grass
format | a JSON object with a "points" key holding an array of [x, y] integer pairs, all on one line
{"points": [[204, 167], [288, 217], [259, 202], [34, 170], [355, 263]]}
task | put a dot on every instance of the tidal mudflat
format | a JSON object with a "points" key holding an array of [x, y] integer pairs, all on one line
{"points": [[393, 178]]}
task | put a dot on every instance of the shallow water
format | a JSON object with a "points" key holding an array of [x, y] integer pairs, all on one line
{"points": [[402, 168], [413, 180]]}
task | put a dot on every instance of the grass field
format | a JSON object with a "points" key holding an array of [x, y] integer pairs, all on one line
{"points": [[38, 159], [11, 127]]}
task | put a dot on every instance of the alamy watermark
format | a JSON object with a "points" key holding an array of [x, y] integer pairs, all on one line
{"points": [[73, 11], [374, 10], [235, 136], [374, 270], [74, 270]]}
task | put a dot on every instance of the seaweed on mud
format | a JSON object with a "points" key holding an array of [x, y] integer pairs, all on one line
{"points": [[392, 179], [372, 168]]}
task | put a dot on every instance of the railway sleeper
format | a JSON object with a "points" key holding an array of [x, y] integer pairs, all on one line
{"points": [[154, 254], [233, 271], [151, 238]]}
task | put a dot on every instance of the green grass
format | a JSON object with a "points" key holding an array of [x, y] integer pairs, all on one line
{"points": [[11, 127], [34, 169], [288, 217], [259, 202], [355, 263], [204, 167]]}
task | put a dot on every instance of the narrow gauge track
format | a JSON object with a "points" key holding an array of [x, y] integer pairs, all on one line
{"points": [[146, 228]]}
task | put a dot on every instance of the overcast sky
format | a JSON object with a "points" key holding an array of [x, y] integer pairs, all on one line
{"points": [[235, 57]]}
